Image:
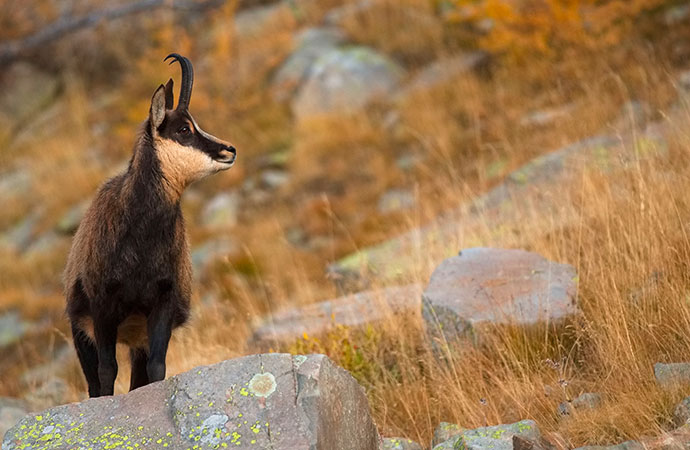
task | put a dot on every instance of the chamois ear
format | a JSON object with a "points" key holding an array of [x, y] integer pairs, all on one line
{"points": [[157, 112], [169, 99]]}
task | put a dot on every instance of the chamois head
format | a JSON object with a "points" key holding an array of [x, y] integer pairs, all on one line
{"points": [[185, 151]]}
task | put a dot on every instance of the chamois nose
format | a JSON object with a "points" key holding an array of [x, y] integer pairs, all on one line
{"points": [[228, 158]]}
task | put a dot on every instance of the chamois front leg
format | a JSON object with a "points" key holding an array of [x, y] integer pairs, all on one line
{"points": [[105, 331], [159, 327]]}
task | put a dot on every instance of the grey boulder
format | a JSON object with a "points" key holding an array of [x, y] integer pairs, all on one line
{"points": [[672, 374], [351, 310], [275, 401], [496, 286], [344, 80], [311, 44]]}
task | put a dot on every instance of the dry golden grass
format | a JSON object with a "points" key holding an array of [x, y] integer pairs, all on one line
{"points": [[624, 229]]}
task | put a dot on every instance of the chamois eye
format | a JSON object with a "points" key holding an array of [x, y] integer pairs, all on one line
{"points": [[184, 130]]}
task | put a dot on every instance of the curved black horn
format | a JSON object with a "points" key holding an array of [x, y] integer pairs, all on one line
{"points": [[187, 79]]}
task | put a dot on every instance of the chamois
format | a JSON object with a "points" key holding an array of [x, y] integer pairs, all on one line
{"points": [[128, 274]]}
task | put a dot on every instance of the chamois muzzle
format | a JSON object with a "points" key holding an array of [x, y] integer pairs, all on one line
{"points": [[227, 155], [187, 80]]}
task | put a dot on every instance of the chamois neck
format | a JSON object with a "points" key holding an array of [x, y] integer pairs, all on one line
{"points": [[145, 178]]}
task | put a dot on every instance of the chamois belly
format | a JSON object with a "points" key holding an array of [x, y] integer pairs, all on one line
{"points": [[132, 330]]}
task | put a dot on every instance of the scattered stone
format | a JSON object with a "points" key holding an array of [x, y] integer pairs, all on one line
{"points": [[273, 179], [485, 25], [27, 91], [546, 117], [46, 243], [274, 160], [221, 211], [485, 285], [445, 431], [409, 161], [634, 114], [524, 443], [399, 444], [210, 252], [258, 20], [11, 411], [54, 391], [395, 200], [14, 183], [346, 80], [588, 400], [649, 286], [444, 71], [684, 81], [276, 401], [678, 439], [627, 445], [499, 437], [352, 310], [312, 43], [12, 328], [337, 17], [673, 374], [682, 412], [677, 14], [69, 222], [57, 361], [19, 237]]}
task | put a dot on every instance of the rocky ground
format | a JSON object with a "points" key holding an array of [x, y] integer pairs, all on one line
{"points": [[282, 401]]}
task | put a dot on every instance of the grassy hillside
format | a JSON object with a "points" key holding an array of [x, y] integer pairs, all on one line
{"points": [[622, 224]]}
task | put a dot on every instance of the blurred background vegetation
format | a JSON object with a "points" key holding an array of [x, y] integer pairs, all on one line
{"points": [[473, 90]]}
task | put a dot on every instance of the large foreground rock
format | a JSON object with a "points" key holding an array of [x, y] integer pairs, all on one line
{"points": [[351, 310], [497, 286], [275, 401]]}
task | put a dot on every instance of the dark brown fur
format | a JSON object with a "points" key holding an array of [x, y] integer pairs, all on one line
{"points": [[128, 276]]}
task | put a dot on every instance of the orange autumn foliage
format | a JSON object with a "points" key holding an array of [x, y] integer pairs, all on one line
{"points": [[520, 28]]}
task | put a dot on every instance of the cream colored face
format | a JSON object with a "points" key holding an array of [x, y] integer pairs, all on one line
{"points": [[182, 165]]}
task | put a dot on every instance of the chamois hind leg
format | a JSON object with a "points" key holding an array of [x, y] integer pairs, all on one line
{"points": [[139, 359], [88, 358], [78, 308], [106, 341]]}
